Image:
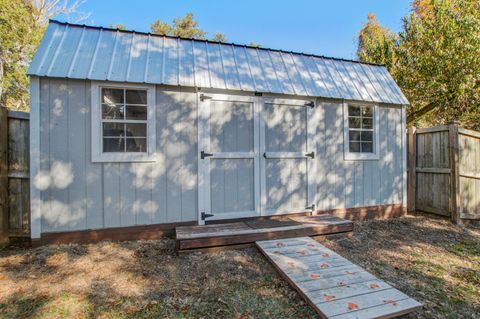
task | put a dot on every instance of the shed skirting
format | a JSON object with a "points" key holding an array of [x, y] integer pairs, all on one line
{"points": [[150, 232]]}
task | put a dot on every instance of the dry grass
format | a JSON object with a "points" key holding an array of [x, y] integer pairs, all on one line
{"points": [[430, 259]]}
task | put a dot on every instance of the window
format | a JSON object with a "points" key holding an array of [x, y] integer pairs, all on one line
{"points": [[123, 123], [360, 132]]}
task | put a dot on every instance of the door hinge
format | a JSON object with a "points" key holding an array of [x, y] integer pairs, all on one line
{"points": [[311, 207], [204, 97], [311, 104], [204, 154], [264, 155], [311, 154], [205, 215]]}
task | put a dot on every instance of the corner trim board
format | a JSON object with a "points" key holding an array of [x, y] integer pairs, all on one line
{"points": [[35, 202]]}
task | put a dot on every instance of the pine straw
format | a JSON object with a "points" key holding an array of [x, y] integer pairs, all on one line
{"points": [[428, 258]]}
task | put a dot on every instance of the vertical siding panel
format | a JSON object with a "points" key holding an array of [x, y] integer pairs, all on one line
{"points": [[76, 152], [359, 183], [60, 217], [368, 183], [382, 191], [111, 195], [340, 165], [45, 163], [127, 193], [349, 183], [330, 150], [143, 207], [321, 158], [94, 172]]}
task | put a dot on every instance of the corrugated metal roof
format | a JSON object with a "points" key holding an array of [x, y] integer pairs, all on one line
{"points": [[93, 53]]}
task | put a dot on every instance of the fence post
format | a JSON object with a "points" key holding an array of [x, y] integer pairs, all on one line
{"points": [[412, 166], [454, 177], [3, 176]]}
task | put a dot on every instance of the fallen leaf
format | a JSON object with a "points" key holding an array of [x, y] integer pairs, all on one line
{"points": [[301, 252], [291, 264], [279, 244], [326, 255], [390, 301], [374, 286], [352, 306], [324, 265], [342, 284], [328, 297], [311, 245], [349, 273]]}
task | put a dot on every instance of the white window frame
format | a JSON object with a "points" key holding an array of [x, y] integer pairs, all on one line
{"points": [[97, 133], [354, 156]]}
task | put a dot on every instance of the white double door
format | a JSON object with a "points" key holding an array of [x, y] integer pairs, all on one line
{"points": [[256, 156]]}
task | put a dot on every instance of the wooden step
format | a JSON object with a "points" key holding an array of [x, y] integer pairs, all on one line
{"points": [[229, 235]]}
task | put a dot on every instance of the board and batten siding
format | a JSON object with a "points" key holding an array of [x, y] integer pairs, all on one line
{"points": [[78, 194]]}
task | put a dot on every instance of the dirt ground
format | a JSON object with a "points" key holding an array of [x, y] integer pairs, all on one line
{"points": [[428, 258]]}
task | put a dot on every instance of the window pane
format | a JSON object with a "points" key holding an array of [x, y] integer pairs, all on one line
{"points": [[353, 110], [354, 147], [136, 130], [354, 136], [112, 112], [367, 123], [113, 129], [112, 96], [367, 147], [354, 122], [136, 97], [367, 136], [113, 145], [367, 111], [136, 144], [136, 112]]}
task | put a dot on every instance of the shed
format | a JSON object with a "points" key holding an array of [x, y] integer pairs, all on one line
{"points": [[131, 129]]}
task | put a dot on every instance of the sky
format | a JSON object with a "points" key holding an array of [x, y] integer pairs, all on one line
{"points": [[322, 27]]}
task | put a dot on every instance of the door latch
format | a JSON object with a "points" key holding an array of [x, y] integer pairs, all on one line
{"points": [[311, 104], [311, 207], [264, 155], [204, 97], [311, 154], [205, 215], [204, 154]]}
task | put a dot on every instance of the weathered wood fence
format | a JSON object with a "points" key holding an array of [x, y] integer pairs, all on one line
{"points": [[14, 174], [444, 171]]}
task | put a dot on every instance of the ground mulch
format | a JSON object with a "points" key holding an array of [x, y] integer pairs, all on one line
{"points": [[429, 258]]}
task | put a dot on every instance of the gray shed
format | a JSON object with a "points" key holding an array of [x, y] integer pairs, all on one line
{"points": [[130, 128]]}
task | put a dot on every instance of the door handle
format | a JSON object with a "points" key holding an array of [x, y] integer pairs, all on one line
{"points": [[311, 154], [204, 154]]}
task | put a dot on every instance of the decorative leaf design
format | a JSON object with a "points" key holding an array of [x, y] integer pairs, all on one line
{"points": [[390, 301], [343, 284], [349, 272], [326, 255], [374, 286], [291, 264], [301, 252], [315, 276], [311, 245], [280, 244], [328, 297], [352, 306], [324, 265]]}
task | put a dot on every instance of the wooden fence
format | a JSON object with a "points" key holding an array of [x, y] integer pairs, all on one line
{"points": [[444, 171], [14, 174]]}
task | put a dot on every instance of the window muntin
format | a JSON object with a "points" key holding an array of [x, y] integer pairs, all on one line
{"points": [[361, 129], [124, 120]]}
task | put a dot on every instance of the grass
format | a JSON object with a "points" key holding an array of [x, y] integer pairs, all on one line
{"points": [[429, 258]]}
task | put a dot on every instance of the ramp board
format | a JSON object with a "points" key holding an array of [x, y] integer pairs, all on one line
{"points": [[332, 285]]}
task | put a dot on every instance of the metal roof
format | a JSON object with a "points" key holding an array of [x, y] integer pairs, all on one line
{"points": [[95, 53]]}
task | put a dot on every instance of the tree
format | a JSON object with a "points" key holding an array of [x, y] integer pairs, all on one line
{"points": [[254, 44], [376, 44], [219, 37], [118, 26], [22, 23], [436, 61], [185, 27]]}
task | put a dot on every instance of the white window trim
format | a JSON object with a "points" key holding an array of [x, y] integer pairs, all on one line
{"points": [[97, 152], [354, 156]]}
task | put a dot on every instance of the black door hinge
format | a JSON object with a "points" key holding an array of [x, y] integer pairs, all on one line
{"points": [[312, 207], [204, 154], [204, 97], [311, 104], [311, 154], [205, 215]]}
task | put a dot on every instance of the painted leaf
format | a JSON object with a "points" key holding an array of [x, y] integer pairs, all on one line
{"points": [[277, 252], [311, 245], [279, 244], [328, 297], [374, 286], [315, 276], [326, 255], [343, 284], [349, 273], [291, 264], [352, 306], [390, 301], [324, 265], [301, 252]]}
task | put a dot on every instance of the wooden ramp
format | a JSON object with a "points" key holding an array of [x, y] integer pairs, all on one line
{"points": [[332, 285], [239, 234]]}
